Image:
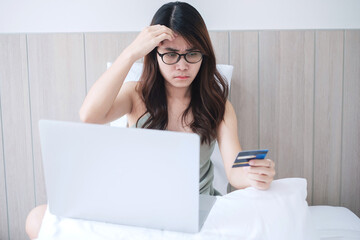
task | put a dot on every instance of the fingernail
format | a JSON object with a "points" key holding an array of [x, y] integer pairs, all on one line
{"points": [[251, 163]]}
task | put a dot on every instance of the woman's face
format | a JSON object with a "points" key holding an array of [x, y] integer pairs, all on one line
{"points": [[182, 73]]}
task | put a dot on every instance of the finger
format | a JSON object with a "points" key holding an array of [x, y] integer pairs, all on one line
{"points": [[271, 163], [262, 170], [259, 177], [159, 39], [258, 163], [154, 31], [156, 27], [163, 29], [259, 185], [262, 162]]}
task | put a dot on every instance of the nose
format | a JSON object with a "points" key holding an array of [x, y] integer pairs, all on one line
{"points": [[182, 64]]}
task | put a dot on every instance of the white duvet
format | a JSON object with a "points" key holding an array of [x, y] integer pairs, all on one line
{"points": [[278, 213]]}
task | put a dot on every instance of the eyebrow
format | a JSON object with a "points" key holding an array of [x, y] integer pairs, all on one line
{"points": [[176, 50]]}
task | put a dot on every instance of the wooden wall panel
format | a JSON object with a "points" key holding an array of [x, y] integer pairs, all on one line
{"points": [[350, 180], [16, 132], [4, 227], [220, 42], [328, 115], [294, 93], [57, 86], [101, 48], [245, 86], [286, 101]]}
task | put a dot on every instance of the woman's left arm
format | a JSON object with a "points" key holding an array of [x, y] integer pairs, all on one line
{"points": [[261, 172]]}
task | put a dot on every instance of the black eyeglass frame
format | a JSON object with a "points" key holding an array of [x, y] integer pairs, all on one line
{"points": [[179, 57]]}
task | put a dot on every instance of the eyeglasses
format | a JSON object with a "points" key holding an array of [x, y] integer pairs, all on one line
{"points": [[171, 58]]}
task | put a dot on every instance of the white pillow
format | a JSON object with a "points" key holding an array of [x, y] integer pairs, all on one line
{"points": [[220, 180], [226, 71], [281, 212]]}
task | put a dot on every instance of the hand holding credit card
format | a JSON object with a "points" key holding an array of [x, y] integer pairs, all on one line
{"points": [[243, 158]]}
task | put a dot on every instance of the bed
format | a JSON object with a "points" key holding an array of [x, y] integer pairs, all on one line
{"points": [[278, 213]]}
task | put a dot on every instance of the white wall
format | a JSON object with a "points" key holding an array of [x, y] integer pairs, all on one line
{"points": [[24, 16]]}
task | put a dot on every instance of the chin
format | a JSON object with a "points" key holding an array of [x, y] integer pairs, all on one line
{"points": [[180, 83]]}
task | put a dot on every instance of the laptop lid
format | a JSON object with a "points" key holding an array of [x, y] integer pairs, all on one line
{"points": [[139, 177]]}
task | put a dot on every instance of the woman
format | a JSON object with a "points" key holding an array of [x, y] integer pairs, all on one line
{"points": [[179, 90]]}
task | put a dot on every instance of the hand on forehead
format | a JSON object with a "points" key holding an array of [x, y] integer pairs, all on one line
{"points": [[179, 44]]}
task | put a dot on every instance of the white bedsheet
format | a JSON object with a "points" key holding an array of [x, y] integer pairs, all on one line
{"points": [[278, 213], [335, 223]]}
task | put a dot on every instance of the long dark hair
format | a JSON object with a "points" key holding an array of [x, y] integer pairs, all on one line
{"points": [[209, 91]]}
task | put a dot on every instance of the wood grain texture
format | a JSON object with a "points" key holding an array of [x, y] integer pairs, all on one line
{"points": [[289, 90], [4, 226], [286, 101], [220, 42], [245, 86], [328, 116], [57, 87], [350, 177], [101, 48], [16, 132]]}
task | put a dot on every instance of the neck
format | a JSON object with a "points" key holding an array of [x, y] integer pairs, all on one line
{"points": [[178, 93]]}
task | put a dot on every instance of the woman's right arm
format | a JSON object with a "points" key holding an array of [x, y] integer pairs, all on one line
{"points": [[107, 100], [99, 102]]}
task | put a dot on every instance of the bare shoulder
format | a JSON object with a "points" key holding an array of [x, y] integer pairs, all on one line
{"points": [[229, 123], [229, 114]]}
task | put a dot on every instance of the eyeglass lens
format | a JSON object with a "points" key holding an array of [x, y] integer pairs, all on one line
{"points": [[190, 57]]}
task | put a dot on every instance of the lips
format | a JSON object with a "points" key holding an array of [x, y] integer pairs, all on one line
{"points": [[182, 77]]}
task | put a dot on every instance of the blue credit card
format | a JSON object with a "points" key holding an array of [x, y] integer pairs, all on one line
{"points": [[243, 158]]}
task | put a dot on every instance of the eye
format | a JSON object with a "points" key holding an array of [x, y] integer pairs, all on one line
{"points": [[193, 54], [171, 55]]}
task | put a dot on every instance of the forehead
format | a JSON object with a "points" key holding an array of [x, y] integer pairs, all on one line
{"points": [[179, 43]]}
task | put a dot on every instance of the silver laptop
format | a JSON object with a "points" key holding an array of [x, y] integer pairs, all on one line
{"points": [[128, 176]]}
